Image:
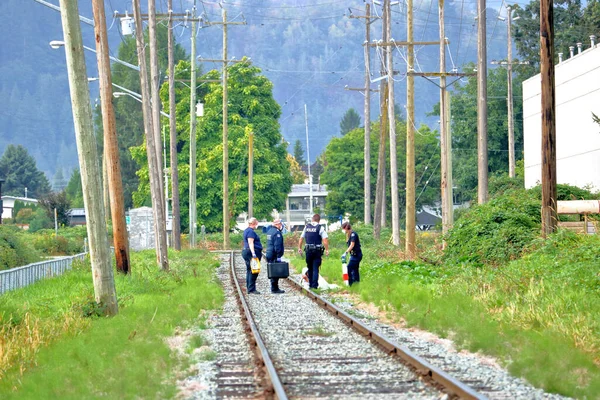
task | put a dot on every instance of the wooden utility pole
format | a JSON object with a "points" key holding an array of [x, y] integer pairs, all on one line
{"points": [[154, 168], [549, 216], [176, 224], [511, 122], [445, 140], [225, 140], [411, 215], [111, 148], [367, 115], [379, 214], [102, 274], [392, 125], [367, 118], [482, 146], [156, 102], [192, 190], [250, 174], [225, 61]]}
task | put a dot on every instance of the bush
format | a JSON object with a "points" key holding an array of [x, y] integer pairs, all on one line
{"points": [[69, 241], [495, 232], [15, 251]]}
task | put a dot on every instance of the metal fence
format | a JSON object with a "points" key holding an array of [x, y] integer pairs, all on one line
{"points": [[19, 277]]}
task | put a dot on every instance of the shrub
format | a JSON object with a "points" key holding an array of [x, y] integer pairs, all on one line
{"points": [[14, 250], [495, 232]]}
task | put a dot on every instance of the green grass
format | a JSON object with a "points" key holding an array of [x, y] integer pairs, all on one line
{"points": [[538, 314], [122, 357]]}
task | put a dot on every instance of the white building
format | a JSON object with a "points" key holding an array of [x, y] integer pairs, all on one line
{"points": [[9, 204], [577, 82]]}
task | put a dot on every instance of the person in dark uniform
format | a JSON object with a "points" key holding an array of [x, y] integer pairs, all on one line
{"points": [[252, 249], [353, 243], [317, 243], [275, 250]]}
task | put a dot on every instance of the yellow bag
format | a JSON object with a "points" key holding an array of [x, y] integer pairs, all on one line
{"points": [[255, 265]]}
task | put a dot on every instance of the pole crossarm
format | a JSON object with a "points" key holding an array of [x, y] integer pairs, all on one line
{"points": [[402, 43], [361, 89], [233, 60], [506, 63], [369, 19], [440, 74]]}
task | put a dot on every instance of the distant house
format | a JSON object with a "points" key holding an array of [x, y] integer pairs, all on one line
{"points": [[427, 221], [76, 216], [8, 204], [297, 212]]}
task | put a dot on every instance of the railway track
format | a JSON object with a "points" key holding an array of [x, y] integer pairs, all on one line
{"points": [[305, 351]]}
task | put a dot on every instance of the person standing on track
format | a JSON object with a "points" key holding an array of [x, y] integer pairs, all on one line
{"points": [[275, 250], [252, 249], [355, 252], [317, 243]]}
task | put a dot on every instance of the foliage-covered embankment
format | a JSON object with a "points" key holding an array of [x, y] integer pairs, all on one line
{"points": [[498, 288], [54, 345]]}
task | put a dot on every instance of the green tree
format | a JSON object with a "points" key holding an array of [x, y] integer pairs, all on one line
{"points": [[350, 120], [344, 172], [251, 108], [128, 111], [74, 190], [464, 129], [299, 153], [571, 24], [58, 201], [19, 170]]}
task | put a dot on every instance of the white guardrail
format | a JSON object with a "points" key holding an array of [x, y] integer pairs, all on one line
{"points": [[19, 277]]}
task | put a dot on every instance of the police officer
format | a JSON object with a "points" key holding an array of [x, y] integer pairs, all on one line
{"points": [[353, 243], [252, 249], [316, 243], [275, 250]]}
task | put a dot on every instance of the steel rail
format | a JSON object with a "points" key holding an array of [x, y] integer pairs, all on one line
{"points": [[263, 352], [423, 367]]}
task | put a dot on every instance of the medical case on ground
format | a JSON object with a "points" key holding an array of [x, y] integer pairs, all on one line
{"points": [[278, 270]]}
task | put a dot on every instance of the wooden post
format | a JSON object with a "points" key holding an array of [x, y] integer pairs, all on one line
{"points": [[225, 141], [173, 136], [410, 247], [549, 216], [102, 274], [154, 168], [111, 148], [367, 147], [482, 156]]}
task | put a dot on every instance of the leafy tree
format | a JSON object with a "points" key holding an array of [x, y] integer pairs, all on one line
{"points": [[20, 171], [571, 23], [344, 171], [251, 109], [74, 190], [464, 130], [40, 221], [299, 153], [58, 201], [298, 176], [350, 120]]}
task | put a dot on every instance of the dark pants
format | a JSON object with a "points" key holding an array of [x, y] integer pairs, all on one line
{"points": [[353, 265], [250, 277], [274, 281], [313, 262]]}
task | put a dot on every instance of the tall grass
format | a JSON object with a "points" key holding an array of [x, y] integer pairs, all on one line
{"points": [[70, 353]]}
